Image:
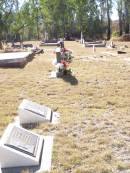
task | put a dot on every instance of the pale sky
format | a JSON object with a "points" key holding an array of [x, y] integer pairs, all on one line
{"points": [[115, 14], [21, 2]]}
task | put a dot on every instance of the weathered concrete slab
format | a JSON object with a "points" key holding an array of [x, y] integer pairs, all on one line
{"points": [[48, 44], [17, 59], [51, 43], [95, 44]]}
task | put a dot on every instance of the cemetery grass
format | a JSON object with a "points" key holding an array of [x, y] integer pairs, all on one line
{"points": [[93, 135]]}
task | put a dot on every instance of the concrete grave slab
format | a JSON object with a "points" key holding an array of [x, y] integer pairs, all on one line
{"points": [[49, 43], [14, 59], [21, 149], [31, 112], [103, 44]]}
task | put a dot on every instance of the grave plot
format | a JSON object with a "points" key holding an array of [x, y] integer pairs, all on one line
{"points": [[21, 149], [31, 112], [96, 44], [17, 59], [49, 43]]}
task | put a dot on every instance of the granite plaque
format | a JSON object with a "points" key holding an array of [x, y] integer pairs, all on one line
{"points": [[38, 109], [23, 141]]}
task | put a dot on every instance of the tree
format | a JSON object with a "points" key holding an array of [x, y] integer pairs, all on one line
{"points": [[120, 14], [6, 8], [56, 17], [126, 12]]}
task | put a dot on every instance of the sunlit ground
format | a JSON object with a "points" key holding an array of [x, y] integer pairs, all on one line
{"points": [[94, 131]]}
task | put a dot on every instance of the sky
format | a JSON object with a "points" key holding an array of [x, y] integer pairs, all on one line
{"points": [[115, 14], [21, 2]]}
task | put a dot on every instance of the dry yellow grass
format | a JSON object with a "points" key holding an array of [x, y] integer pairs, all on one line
{"points": [[93, 136]]}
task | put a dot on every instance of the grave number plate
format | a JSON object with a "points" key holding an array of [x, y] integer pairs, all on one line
{"points": [[23, 141], [38, 109]]}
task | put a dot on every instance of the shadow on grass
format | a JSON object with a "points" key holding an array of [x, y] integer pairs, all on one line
{"points": [[70, 79]]}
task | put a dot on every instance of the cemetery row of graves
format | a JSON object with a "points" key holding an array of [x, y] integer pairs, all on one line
{"points": [[64, 99], [91, 94], [19, 148]]}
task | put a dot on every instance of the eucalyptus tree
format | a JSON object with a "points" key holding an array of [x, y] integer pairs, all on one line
{"points": [[58, 16], [6, 9], [81, 8], [124, 16], [120, 14], [108, 7], [26, 20], [94, 23], [127, 15], [106, 11]]}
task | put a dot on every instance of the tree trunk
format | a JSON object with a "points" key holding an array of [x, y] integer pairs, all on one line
{"points": [[126, 18], [0, 45], [109, 21], [120, 25], [120, 14]]}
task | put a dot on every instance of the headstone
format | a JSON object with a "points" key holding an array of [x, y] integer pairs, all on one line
{"points": [[23, 141], [21, 148], [31, 112]]}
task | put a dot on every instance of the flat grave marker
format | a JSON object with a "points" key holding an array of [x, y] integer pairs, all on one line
{"points": [[31, 112], [20, 149]]}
